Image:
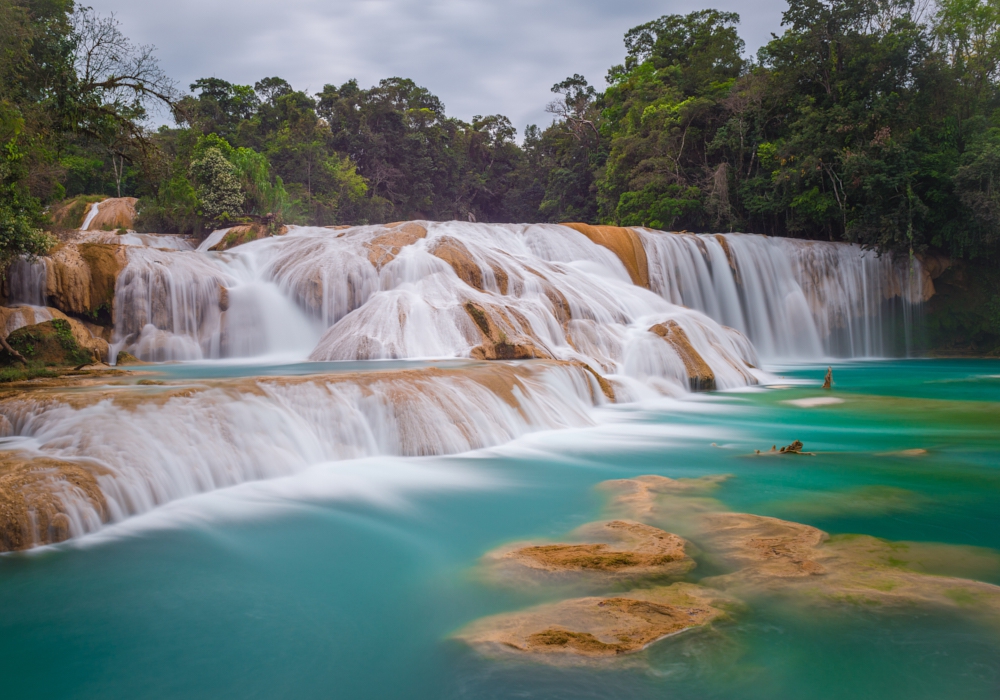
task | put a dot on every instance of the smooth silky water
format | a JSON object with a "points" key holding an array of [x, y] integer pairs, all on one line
{"points": [[348, 579]]}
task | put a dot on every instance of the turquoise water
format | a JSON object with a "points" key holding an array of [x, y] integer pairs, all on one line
{"points": [[352, 588]]}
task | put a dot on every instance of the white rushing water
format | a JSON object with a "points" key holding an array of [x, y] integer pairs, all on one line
{"points": [[429, 291], [91, 215], [148, 449]]}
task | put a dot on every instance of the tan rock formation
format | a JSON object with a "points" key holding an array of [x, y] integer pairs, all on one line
{"points": [[384, 248], [780, 557], [931, 267], [454, 252], [82, 276], [700, 374], [113, 214], [616, 548], [245, 233], [36, 494], [500, 340], [89, 336], [597, 626], [623, 242]]}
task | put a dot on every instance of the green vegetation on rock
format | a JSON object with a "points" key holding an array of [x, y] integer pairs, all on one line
{"points": [[48, 344]]}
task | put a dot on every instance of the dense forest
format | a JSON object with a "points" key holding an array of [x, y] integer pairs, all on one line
{"points": [[873, 121]]}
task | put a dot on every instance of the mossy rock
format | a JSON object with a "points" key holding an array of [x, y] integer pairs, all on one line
{"points": [[49, 344], [127, 358]]}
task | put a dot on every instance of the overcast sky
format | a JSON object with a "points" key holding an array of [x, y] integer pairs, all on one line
{"points": [[478, 56]]}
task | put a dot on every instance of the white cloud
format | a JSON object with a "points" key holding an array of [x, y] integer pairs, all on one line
{"points": [[478, 56]]}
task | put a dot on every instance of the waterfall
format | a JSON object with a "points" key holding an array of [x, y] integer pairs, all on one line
{"points": [[91, 215], [148, 445], [608, 314], [26, 282], [794, 299]]}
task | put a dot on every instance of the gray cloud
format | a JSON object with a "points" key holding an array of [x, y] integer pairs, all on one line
{"points": [[478, 56]]}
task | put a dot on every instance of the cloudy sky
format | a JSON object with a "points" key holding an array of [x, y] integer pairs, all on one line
{"points": [[478, 56]]}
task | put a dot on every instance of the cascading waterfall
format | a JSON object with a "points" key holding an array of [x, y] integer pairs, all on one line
{"points": [[149, 446], [26, 282], [429, 291], [794, 299]]}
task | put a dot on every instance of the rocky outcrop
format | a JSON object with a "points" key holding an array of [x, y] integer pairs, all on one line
{"points": [[114, 214], [598, 626], [34, 497], [623, 242], [931, 267], [50, 344], [700, 374], [245, 233], [616, 548], [89, 336], [454, 252], [384, 248], [493, 327], [81, 278]]}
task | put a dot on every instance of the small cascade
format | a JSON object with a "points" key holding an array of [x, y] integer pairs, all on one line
{"points": [[91, 215], [149, 446], [26, 282]]}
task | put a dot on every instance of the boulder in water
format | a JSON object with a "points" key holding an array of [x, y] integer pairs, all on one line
{"points": [[496, 343], [245, 233], [700, 374]]}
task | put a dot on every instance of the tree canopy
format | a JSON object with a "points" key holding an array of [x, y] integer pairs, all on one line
{"points": [[874, 121]]}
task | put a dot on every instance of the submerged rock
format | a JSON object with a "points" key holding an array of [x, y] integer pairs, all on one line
{"points": [[781, 557], [598, 626], [616, 548]]}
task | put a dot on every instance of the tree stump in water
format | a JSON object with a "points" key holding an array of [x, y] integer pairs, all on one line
{"points": [[828, 382]]}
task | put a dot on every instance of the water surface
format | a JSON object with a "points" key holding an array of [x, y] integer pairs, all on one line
{"points": [[347, 580]]}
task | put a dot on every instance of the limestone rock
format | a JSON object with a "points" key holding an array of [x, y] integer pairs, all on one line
{"points": [[51, 344], [113, 214], [496, 343], [82, 276], [623, 242], [384, 248], [700, 375], [597, 626], [245, 233], [616, 548], [455, 253], [36, 495]]}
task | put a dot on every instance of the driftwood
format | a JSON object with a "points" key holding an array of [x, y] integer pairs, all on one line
{"points": [[828, 382], [6, 346], [794, 449]]}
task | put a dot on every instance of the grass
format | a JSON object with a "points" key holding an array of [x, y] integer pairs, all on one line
{"points": [[20, 374]]}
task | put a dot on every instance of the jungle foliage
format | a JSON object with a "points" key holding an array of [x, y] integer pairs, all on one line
{"points": [[873, 121]]}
